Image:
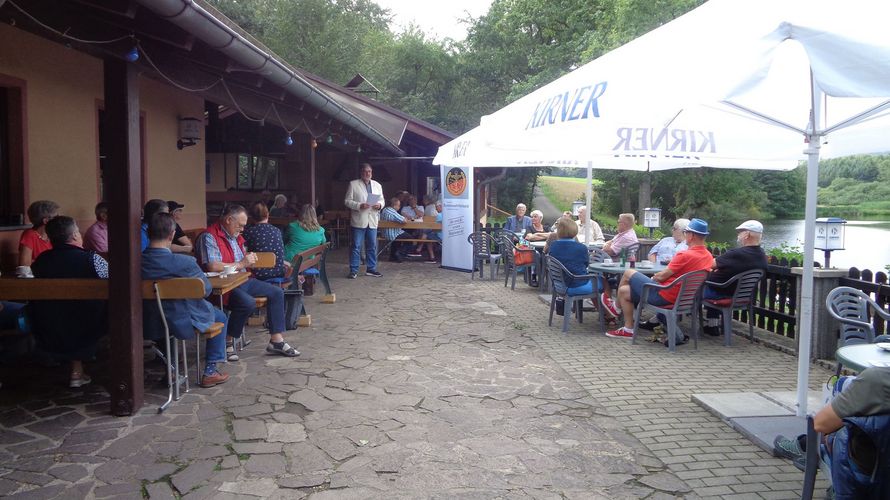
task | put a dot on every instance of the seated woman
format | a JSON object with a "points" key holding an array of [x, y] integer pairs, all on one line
{"points": [[303, 234], [260, 236], [35, 241], [537, 232], [573, 255]]}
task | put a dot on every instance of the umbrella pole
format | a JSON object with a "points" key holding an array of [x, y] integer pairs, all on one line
{"points": [[589, 196], [804, 332]]}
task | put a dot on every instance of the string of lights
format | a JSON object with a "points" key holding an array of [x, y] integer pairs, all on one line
{"points": [[138, 51]]}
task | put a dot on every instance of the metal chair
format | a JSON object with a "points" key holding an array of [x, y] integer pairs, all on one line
{"points": [[850, 307], [742, 300], [483, 244], [813, 462], [510, 267], [498, 234], [690, 286], [559, 277], [178, 288]]}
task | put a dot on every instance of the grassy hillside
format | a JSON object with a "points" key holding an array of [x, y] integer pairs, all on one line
{"points": [[562, 191]]}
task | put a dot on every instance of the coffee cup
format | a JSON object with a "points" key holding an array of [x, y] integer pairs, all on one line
{"points": [[23, 272], [607, 260]]}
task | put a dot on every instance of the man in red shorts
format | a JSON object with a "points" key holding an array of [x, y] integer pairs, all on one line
{"points": [[695, 258]]}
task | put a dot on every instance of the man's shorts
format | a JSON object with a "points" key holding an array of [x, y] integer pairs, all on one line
{"points": [[636, 290]]}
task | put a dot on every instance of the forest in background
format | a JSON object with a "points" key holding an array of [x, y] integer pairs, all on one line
{"points": [[516, 47]]}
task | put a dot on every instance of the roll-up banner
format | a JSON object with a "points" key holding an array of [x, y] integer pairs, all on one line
{"points": [[457, 217]]}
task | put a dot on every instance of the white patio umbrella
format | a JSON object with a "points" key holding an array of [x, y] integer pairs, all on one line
{"points": [[755, 85]]}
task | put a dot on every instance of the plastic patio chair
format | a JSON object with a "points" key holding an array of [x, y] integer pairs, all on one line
{"points": [[559, 276], [690, 287], [510, 267], [742, 299], [497, 234], [850, 307], [485, 250]]}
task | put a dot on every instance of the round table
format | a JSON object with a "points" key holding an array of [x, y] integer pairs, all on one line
{"points": [[615, 268], [861, 356]]}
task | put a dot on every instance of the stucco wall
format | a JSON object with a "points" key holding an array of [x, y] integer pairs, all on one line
{"points": [[64, 90]]}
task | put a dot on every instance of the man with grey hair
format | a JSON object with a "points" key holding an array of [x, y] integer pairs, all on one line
{"points": [[520, 221], [625, 240], [748, 256], [596, 232], [667, 247]]}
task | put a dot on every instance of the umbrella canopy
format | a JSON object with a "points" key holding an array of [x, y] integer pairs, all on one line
{"points": [[668, 99], [755, 85]]}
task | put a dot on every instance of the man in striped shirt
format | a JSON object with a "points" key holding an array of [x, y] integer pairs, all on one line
{"points": [[397, 252]]}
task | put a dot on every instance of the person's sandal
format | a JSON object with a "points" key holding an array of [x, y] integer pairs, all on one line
{"points": [[282, 348], [230, 353], [79, 380]]}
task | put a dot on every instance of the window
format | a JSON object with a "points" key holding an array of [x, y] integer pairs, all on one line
{"points": [[257, 172], [12, 187]]}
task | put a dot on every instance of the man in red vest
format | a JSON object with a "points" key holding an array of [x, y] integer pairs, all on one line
{"points": [[223, 245]]}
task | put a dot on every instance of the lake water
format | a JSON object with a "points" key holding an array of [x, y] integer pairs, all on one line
{"points": [[867, 242]]}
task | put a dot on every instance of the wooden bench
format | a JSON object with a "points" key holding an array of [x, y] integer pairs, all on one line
{"points": [[97, 289], [408, 226], [312, 258]]}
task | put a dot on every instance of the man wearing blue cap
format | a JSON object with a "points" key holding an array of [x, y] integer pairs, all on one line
{"points": [[695, 258]]}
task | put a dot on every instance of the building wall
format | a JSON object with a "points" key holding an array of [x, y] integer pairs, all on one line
{"points": [[64, 91]]}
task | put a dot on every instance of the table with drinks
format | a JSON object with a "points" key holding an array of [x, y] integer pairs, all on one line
{"points": [[609, 267]]}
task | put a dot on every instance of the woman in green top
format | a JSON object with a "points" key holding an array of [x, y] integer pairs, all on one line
{"points": [[303, 234]]}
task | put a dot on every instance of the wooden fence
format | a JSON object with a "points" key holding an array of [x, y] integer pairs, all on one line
{"points": [[775, 308]]}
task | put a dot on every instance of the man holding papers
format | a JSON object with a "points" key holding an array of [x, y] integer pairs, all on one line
{"points": [[364, 198]]}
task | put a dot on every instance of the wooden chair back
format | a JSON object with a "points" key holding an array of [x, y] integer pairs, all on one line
{"points": [[265, 260], [93, 289], [174, 288]]}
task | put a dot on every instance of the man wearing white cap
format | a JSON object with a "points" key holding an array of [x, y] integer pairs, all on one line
{"points": [[748, 256]]}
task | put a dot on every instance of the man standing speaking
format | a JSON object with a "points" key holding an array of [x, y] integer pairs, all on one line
{"points": [[364, 198]]}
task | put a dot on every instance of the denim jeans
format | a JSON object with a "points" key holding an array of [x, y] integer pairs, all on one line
{"points": [[242, 303], [368, 235], [216, 347]]}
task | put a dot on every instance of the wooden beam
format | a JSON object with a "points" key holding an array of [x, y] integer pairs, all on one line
{"points": [[121, 140]]}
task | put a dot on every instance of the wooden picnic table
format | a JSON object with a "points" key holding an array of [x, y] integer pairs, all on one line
{"points": [[225, 284], [435, 226]]}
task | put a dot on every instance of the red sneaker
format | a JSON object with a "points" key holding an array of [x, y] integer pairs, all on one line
{"points": [[621, 333], [609, 305]]}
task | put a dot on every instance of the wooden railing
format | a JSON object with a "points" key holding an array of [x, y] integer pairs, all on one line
{"points": [[775, 307]]}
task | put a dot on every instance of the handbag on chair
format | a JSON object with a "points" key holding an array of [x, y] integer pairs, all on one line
{"points": [[523, 256]]}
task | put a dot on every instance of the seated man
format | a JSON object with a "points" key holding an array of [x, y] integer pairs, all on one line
{"points": [[696, 258], [222, 244], [181, 241], [667, 247], [596, 232], [519, 222], [864, 404], [183, 316], [748, 256], [625, 241], [151, 208], [397, 250], [69, 329]]}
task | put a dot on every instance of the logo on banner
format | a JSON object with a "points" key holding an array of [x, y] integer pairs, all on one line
{"points": [[456, 182]]}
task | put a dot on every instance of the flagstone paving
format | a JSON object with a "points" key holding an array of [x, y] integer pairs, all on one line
{"points": [[422, 384]]}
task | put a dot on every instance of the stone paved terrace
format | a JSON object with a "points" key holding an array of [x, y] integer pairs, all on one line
{"points": [[422, 384]]}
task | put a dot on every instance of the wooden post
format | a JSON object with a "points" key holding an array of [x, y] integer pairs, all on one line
{"points": [[121, 141], [312, 193]]}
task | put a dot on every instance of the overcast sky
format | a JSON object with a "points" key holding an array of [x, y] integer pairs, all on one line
{"points": [[438, 18]]}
